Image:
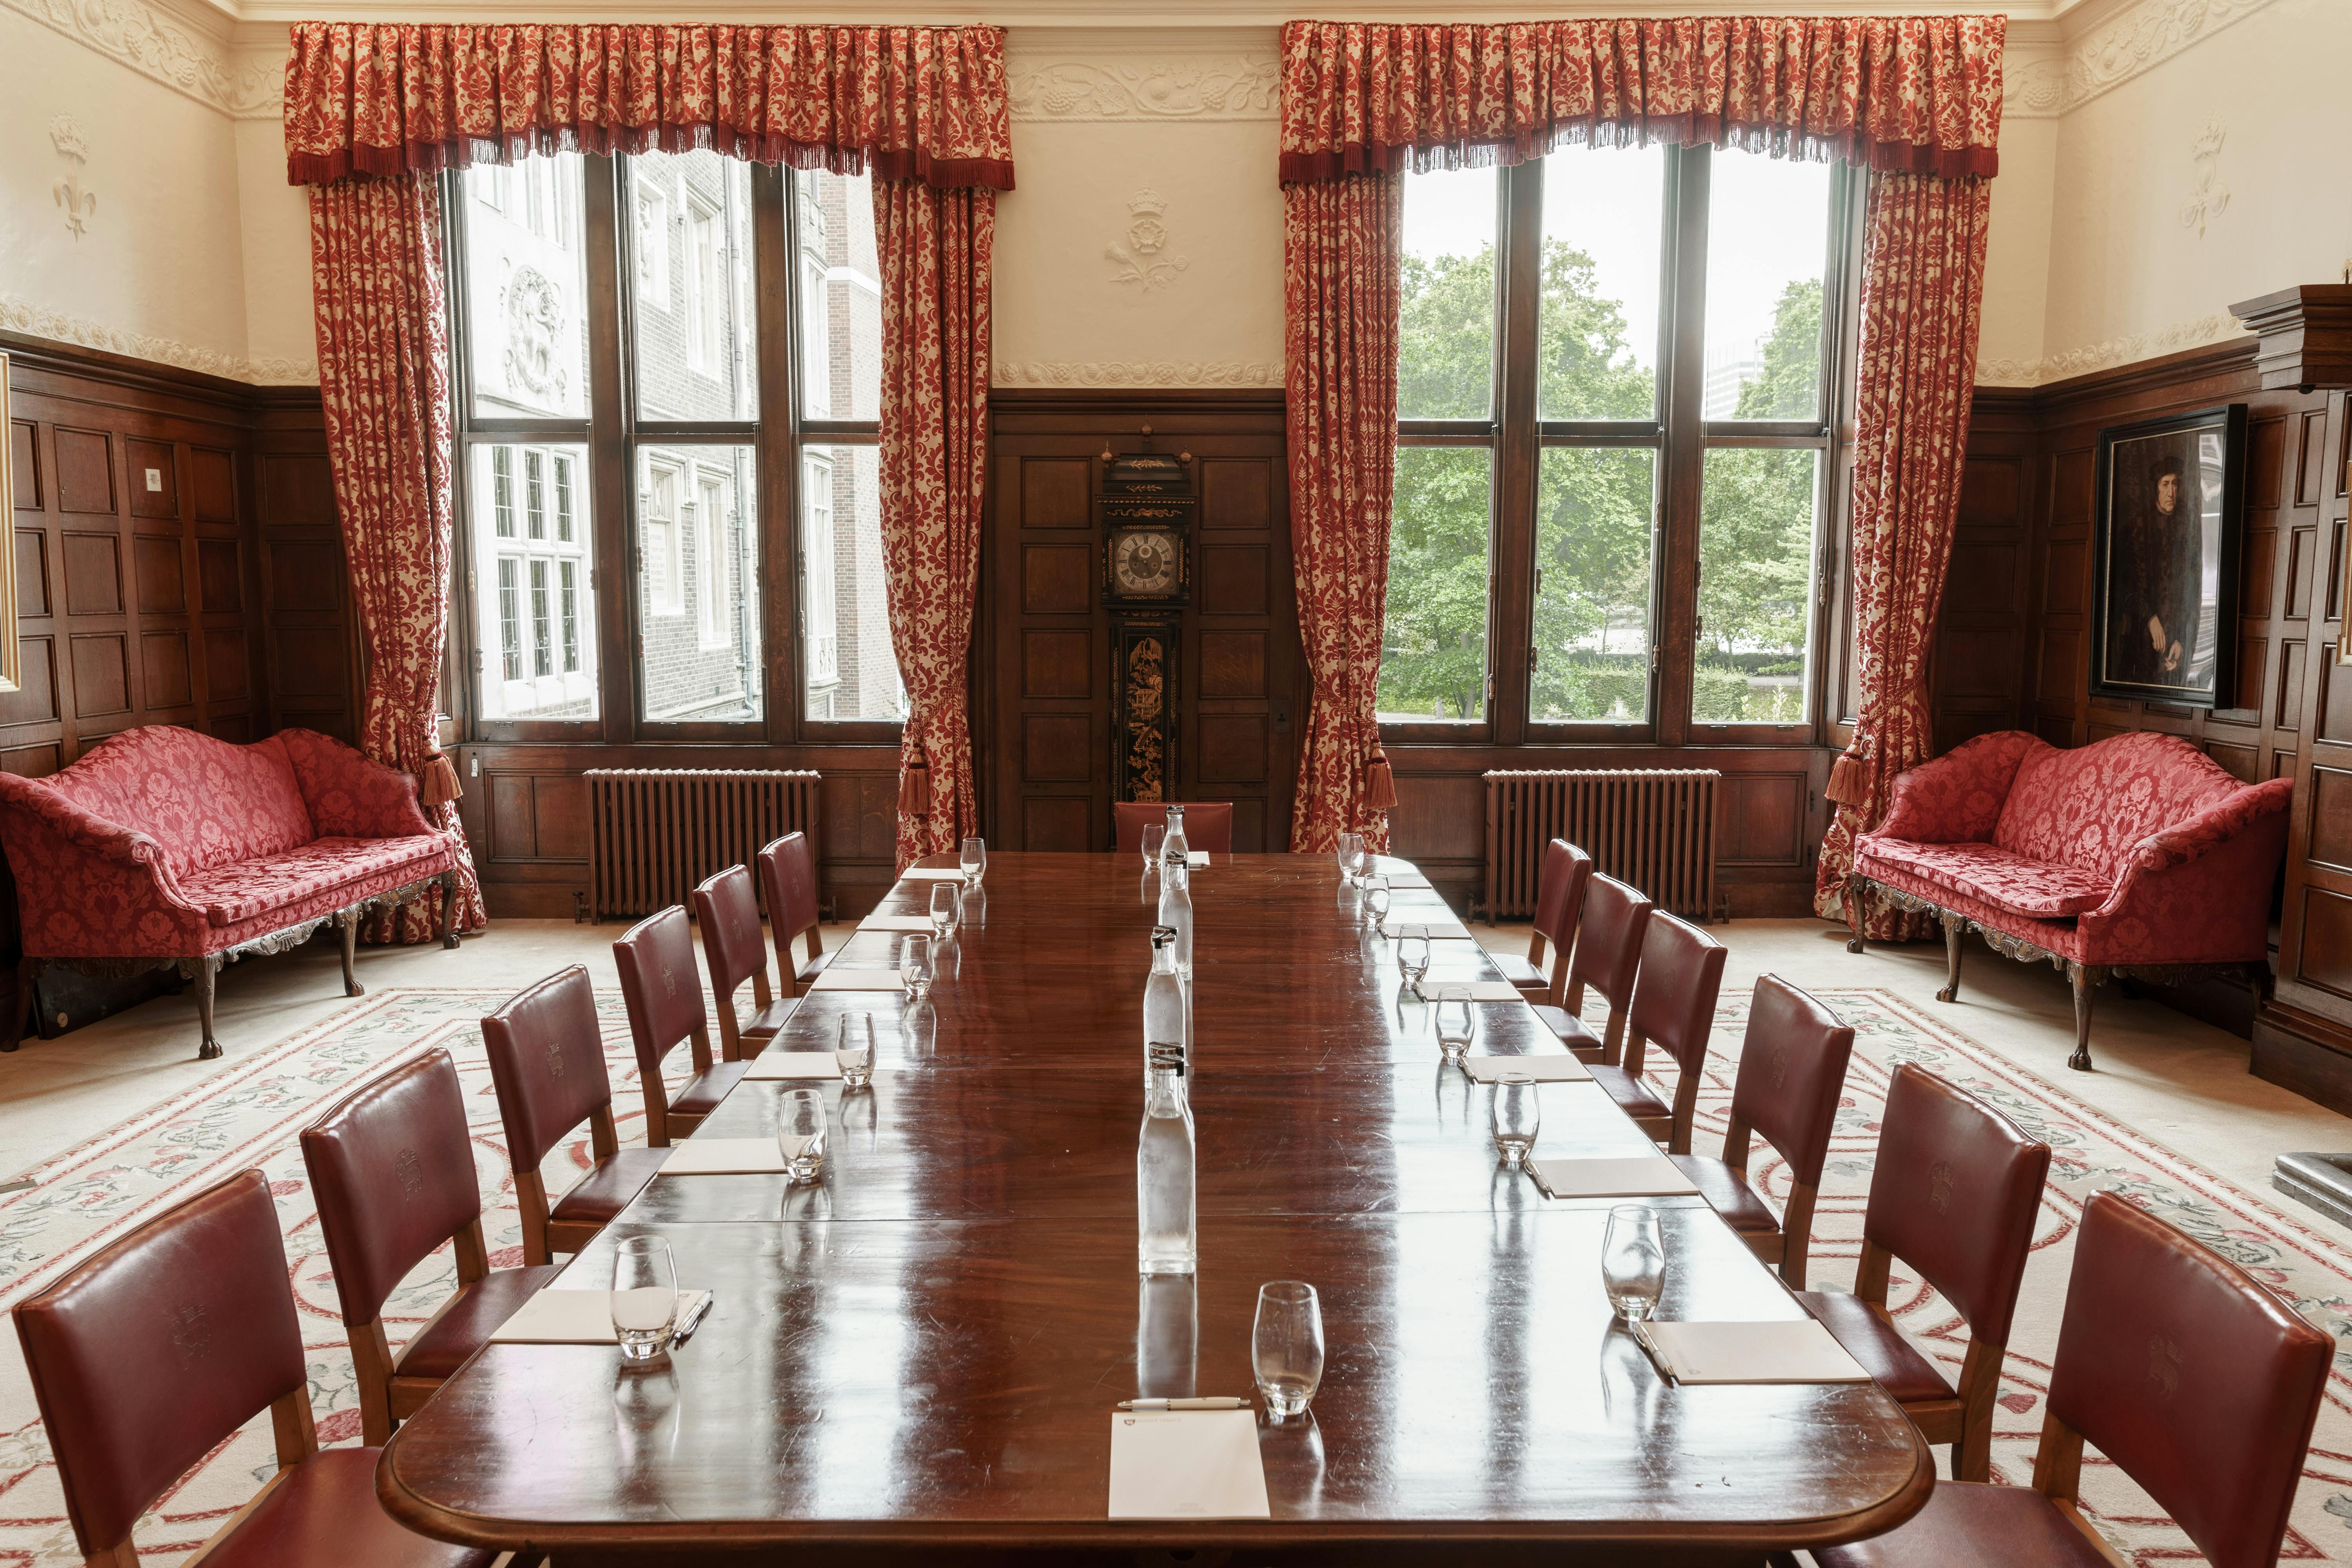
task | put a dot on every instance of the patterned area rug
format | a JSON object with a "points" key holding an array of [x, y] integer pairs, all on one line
{"points": [[252, 1114]]}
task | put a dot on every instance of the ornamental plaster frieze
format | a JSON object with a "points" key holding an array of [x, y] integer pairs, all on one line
{"points": [[1146, 88], [1137, 373], [2124, 350], [242, 84], [40, 321], [2043, 86]]}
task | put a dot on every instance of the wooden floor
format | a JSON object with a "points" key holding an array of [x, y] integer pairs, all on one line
{"points": [[921, 1354]]}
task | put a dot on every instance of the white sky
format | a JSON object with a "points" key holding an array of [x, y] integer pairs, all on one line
{"points": [[1608, 202]]}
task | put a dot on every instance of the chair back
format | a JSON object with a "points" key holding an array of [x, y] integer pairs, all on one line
{"points": [[660, 986], [1560, 899], [2188, 1375], [1208, 824], [788, 882], [148, 1354], [728, 910], [1792, 1064], [1609, 939], [1953, 1194], [392, 1168], [1674, 994], [547, 1063]]}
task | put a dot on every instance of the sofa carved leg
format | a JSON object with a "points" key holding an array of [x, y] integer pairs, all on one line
{"points": [[1853, 913], [349, 920], [449, 908], [2084, 978], [1955, 927], [207, 971]]}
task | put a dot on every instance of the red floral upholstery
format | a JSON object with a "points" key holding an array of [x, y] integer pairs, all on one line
{"points": [[2136, 850], [161, 842]]}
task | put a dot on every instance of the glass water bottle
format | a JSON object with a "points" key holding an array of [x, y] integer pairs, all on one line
{"points": [[1173, 850], [1176, 911], [1166, 1225], [1163, 998]]}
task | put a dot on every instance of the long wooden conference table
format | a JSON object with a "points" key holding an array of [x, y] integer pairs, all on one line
{"points": [[916, 1359]]}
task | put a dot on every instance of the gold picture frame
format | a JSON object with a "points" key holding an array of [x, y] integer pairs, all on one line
{"points": [[12, 661]]}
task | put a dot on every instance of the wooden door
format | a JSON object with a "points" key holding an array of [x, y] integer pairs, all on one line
{"points": [[1044, 721]]}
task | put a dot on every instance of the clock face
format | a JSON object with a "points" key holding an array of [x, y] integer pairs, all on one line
{"points": [[1144, 561]]}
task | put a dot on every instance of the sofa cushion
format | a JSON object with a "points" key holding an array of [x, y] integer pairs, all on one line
{"points": [[205, 802], [228, 894], [2088, 807], [2001, 878]]}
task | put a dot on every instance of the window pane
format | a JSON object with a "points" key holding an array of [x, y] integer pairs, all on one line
{"points": [[1768, 247], [526, 289], [1434, 647], [698, 590], [1604, 226], [1593, 512], [1755, 595], [690, 286], [840, 284], [537, 613], [1446, 359], [852, 670]]}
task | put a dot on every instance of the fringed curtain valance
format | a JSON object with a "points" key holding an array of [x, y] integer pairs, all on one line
{"points": [[903, 104], [1900, 94]]}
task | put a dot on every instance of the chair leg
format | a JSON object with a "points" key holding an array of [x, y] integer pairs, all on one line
{"points": [[449, 908], [1853, 913], [348, 920], [2084, 978], [207, 971], [1955, 927]]}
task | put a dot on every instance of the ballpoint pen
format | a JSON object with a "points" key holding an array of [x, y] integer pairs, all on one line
{"points": [[1650, 1348], [1212, 1402], [694, 1317]]}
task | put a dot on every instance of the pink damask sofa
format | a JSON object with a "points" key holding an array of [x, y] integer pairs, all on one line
{"points": [[2137, 855], [162, 847]]}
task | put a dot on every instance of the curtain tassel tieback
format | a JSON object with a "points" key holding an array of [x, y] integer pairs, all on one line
{"points": [[1379, 781], [437, 782], [1848, 784], [914, 786]]}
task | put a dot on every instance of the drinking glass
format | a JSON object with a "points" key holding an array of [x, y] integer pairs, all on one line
{"points": [[1286, 1346], [947, 908], [1457, 1021], [1633, 1261], [853, 1051], [915, 967], [975, 860], [1155, 837], [1365, 861], [1412, 955], [1377, 898], [644, 1296], [800, 1133], [1351, 845], [1516, 1116]]}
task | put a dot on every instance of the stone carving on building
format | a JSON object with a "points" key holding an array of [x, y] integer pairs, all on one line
{"points": [[534, 317]]}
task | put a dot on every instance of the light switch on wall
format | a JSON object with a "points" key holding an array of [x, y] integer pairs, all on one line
{"points": [[154, 482]]}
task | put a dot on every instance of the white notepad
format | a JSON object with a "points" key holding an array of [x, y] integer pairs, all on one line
{"points": [[1642, 1176], [726, 1157], [1437, 930], [1193, 858], [1480, 990], [921, 924], [1188, 1463], [1800, 1352], [573, 1317], [770, 1066], [1539, 1070], [836, 978], [933, 874]]}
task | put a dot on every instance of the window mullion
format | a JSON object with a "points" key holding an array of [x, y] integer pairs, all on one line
{"points": [[1676, 643], [609, 457], [772, 252], [1511, 603]]}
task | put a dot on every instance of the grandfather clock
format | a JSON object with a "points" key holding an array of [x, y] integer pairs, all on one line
{"points": [[1146, 510]]}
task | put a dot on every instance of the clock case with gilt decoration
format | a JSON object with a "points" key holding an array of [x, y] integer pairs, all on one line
{"points": [[1146, 505]]}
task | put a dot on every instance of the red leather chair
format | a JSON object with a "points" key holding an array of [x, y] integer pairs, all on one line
{"points": [[1673, 1007], [788, 882], [664, 994], [547, 1062], [149, 1354], [1608, 952], [392, 1170], [728, 913], [2192, 1379], [1559, 901], [1208, 824], [1792, 1071], [1953, 1196]]}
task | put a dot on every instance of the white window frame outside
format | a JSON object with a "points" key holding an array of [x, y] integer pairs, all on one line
{"points": [[713, 574]]}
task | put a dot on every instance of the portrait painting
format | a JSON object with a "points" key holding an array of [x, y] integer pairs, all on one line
{"points": [[2164, 550]]}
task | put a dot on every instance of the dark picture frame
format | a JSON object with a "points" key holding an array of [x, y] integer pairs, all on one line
{"points": [[2169, 509]]}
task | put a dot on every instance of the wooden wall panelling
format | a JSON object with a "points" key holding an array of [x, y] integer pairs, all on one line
{"points": [[1979, 659]]}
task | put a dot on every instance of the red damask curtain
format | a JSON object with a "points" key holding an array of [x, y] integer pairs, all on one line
{"points": [[1341, 240], [935, 246], [376, 280], [922, 103], [1921, 297]]}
